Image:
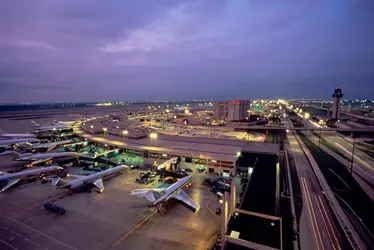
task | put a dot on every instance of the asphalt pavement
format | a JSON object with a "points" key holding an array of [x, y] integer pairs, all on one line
{"points": [[317, 229]]}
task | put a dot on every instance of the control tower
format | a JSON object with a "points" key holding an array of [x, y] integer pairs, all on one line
{"points": [[338, 94]]}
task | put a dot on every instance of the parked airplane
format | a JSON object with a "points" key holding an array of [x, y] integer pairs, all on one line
{"points": [[39, 158], [10, 142], [43, 128], [164, 194], [95, 179], [11, 135], [14, 178], [49, 145]]}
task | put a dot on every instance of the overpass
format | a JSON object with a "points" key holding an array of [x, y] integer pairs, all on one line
{"points": [[283, 129]]}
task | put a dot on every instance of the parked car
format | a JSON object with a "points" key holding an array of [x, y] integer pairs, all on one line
{"points": [[220, 188], [54, 208], [169, 180], [200, 169]]}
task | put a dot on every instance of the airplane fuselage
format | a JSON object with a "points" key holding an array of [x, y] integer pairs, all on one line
{"points": [[51, 144], [4, 143], [52, 127], [92, 177], [33, 157], [7, 176], [171, 190], [17, 135]]}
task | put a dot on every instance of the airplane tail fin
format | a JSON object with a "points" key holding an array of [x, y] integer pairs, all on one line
{"points": [[55, 180], [14, 154], [33, 122]]}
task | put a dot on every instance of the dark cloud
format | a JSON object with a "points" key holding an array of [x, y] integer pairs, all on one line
{"points": [[101, 50]]}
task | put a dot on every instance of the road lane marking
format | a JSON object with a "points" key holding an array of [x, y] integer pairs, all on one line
{"points": [[324, 222], [356, 157], [134, 228], [313, 213], [207, 206], [329, 222], [9, 245], [49, 237], [309, 213]]}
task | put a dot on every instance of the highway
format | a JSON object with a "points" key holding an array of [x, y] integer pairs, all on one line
{"points": [[317, 228], [363, 163]]}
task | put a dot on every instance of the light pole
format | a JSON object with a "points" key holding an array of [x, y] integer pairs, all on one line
{"points": [[105, 130], [306, 116], [125, 133], [153, 136], [319, 141], [353, 153]]}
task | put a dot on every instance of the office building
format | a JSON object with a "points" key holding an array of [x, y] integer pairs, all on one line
{"points": [[220, 110], [337, 95], [238, 110]]}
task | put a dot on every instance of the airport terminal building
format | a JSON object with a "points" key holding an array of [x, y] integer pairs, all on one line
{"points": [[216, 155]]}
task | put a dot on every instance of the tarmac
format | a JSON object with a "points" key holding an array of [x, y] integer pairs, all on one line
{"points": [[109, 220]]}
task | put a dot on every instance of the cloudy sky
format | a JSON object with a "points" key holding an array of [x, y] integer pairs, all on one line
{"points": [[93, 50]]}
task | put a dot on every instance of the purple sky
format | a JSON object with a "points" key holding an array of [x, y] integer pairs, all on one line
{"points": [[210, 49]]}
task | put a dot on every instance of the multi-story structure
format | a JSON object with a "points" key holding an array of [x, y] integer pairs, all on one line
{"points": [[235, 110], [337, 95], [221, 110], [238, 110]]}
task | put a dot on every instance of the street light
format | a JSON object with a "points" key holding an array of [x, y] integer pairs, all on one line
{"points": [[105, 130], [153, 136], [353, 152], [92, 126], [125, 133], [306, 116]]}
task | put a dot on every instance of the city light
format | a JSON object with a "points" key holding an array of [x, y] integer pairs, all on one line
{"points": [[153, 135], [238, 154], [306, 115], [125, 132], [105, 129], [92, 126]]}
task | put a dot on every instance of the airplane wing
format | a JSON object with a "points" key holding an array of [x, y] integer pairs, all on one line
{"points": [[76, 176], [40, 161], [6, 153], [184, 198], [147, 193], [99, 184], [9, 184], [51, 147]]}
